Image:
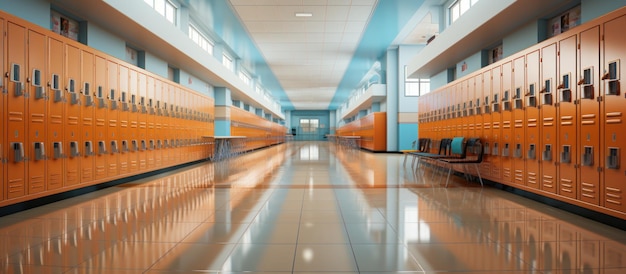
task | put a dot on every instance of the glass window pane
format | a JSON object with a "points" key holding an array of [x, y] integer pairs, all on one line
{"points": [[465, 5], [159, 6]]}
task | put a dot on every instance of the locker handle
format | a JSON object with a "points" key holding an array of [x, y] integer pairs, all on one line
{"points": [[606, 76], [58, 150], [582, 81], [561, 86], [18, 152], [40, 151]]}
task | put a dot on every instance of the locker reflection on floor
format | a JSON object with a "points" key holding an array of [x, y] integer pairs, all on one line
{"points": [[304, 207]]}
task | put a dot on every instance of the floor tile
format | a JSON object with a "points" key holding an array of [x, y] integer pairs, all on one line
{"points": [[325, 258], [261, 257], [323, 233], [194, 257], [384, 258]]}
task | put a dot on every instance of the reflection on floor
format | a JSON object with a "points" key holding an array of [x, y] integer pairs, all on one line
{"points": [[305, 207]]}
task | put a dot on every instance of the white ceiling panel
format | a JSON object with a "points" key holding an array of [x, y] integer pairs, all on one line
{"points": [[308, 55]]}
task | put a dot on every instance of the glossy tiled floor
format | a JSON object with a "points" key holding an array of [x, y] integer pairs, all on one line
{"points": [[304, 207]]}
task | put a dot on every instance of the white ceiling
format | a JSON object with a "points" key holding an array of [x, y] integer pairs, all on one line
{"points": [[308, 55]]}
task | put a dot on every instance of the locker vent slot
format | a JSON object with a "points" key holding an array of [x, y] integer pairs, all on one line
{"points": [[88, 148], [612, 78], [114, 148], [518, 151], [18, 152], [587, 157], [495, 150], [566, 155], [133, 145], [58, 150], [612, 160], [124, 146], [39, 91], [587, 84], [102, 147], [143, 145], [532, 152], [505, 150], [547, 153], [15, 77], [40, 152], [486, 149]]}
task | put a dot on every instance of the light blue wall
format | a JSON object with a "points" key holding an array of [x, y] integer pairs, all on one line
{"points": [[521, 39], [407, 133], [322, 115], [155, 65], [391, 65], [439, 80], [591, 9], [106, 42], [405, 55], [35, 11], [472, 63], [194, 83]]}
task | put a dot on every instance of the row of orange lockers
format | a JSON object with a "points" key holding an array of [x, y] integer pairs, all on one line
{"points": [[372, 129], [259, 132], [550, 117], [73, 116]]}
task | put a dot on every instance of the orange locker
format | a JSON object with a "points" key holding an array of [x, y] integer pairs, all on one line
{"points": [[100, 115], [547, 120], [483, 109], [614, 106], [16, 111], [3, 145], [157, 134], [124, 124], [73, 115], [133, 118], [87, 118], [174, 126], [56, 114], [506, 116], [468, 104], [518, 123], [532, 135], [36, 142], [143, 121], [150, 122], [165, 125], [567, 122], [112, 140], [589, 112]]}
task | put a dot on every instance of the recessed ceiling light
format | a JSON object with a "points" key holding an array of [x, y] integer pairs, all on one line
{"points": [[304, 14]]}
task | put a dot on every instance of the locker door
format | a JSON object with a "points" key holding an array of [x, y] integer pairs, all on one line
{"points": [[56, 113], [143, 122], [496, 129], [73, 115], [15, 112], [614, 107], [174, 125], [133, 158], [165, 129], [470, 110], [483, 109], [150, 142], [3, 145], [518, 146], [123, 114], [36, 143], [589, 88], [506, 139], [87, 140], [567, 122], [113, 142], [156, 135], [532, 137], [100, 115], [547, 120]]}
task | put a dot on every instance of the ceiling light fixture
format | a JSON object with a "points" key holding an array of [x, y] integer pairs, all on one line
{"points": [[304, 14]]}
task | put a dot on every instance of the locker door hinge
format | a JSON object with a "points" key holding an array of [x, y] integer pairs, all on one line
{"points": [[599, 99], [576, 102]]}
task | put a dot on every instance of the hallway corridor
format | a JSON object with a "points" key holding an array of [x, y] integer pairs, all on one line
{"points": [[305, 207]]}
